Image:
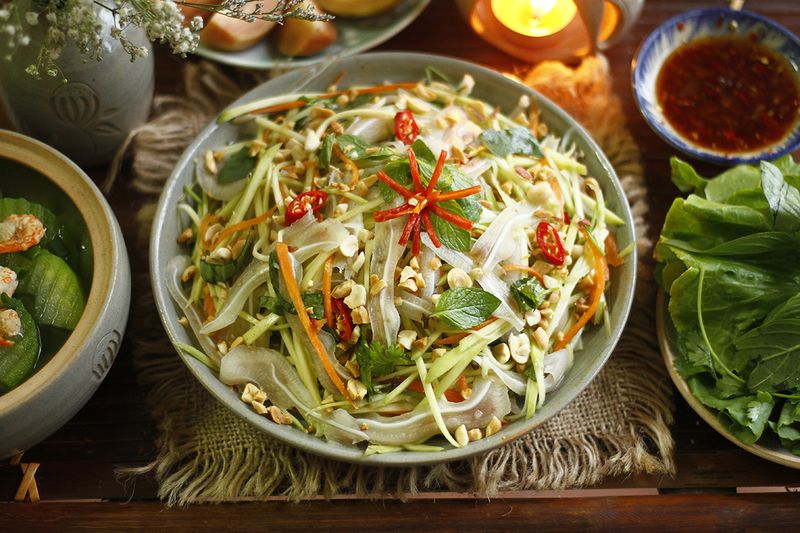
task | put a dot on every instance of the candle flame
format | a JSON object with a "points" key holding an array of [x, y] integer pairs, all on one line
{"points": [[534, 18]]}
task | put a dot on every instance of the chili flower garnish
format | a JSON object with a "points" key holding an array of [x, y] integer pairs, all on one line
{"points": [[421, 203]]}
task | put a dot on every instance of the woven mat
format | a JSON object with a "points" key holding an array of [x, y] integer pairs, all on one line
{"points": [[617, 426]]}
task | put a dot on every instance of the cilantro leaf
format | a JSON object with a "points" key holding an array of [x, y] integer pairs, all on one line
{"points": [[465, 307], [528, 293], [517, 140], [237, 166], [377, 359]]}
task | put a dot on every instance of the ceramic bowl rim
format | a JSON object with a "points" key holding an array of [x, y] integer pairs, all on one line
{"points": [[97, 216], [321, 447], [678, 142]]}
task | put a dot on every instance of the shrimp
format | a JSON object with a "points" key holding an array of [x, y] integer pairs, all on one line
{"points": [[8, 281], [10, 326], [20, 232]]}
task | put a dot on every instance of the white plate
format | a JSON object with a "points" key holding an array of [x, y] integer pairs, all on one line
{"points": [[354, 35]]}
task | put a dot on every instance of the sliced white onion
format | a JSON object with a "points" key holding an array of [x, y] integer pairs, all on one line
{"points": [[514, 381], [311, 238], [415, 308], [556, 365], [208, 182], [383, 315], [371, 129], [251, 277], [429, 275], [448, 255], [174, 269], [496, 243]]}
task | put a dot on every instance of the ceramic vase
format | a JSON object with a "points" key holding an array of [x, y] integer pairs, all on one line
{"points": [[87, 116]]}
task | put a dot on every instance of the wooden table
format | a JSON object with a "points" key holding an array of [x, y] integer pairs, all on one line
{"points": [[717, 485]]}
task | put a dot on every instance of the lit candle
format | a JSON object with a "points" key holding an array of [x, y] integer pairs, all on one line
{"points": [[534, 18]]}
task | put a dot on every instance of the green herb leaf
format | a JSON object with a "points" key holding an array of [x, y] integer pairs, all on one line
{"points": [[685, 177], [237, 166], [783, 199], [744, 416], [218, 272], [517, 140], [279, 306], [313, 301], [326, 150], [377, 359], [356, 148], [449, 234], [528, 293], [465, 307], [788, 426]]}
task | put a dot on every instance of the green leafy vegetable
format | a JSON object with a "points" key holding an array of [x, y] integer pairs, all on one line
{"points": [[517, 140], [729, 257], [528, 293], [465, 307], [377, 359], [237, 166]]}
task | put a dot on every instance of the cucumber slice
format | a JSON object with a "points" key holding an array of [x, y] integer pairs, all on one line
{"points": [[21, 206], [58, 298], [18, 361]]}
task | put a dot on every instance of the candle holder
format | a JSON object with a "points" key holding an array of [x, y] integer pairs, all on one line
{"points": [[536, 30]]}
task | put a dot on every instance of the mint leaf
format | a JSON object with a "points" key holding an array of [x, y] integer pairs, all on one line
{"points": [[528, 293], [377, 359], [237, 167], [449, 234], [465, 307], [326, 151], [517, 140]]}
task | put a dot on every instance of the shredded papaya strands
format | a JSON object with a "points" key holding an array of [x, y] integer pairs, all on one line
{"points": [[327, 273], [294, 294], [600, 268], [454, 339], [294, 104]]}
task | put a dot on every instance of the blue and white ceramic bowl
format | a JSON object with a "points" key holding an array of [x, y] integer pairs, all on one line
{"points": [[689, 27]]}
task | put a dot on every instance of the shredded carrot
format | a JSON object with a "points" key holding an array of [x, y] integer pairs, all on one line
{"points": [[559, 194], [205, 222], [451, 395], [327, 273], [208, 304], [294, 294], [612, 254], [243, 225], [454, 339], [600, 268], [294, 104], [354, 174], [525, 268], [462, 383]]}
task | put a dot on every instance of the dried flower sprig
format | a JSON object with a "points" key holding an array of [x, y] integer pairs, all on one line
{"points": [[78, 21]]}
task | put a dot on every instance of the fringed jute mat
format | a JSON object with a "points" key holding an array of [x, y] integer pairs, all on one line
{"points": [[617, 426]]}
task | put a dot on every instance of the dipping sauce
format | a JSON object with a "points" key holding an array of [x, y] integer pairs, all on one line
{"points": [[729, 94]]}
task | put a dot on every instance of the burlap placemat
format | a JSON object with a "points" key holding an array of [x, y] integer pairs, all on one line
{"points": [[618, 425]]}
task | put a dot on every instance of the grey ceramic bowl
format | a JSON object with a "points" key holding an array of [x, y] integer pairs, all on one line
{"points": [[51, 396], [370, 69]]}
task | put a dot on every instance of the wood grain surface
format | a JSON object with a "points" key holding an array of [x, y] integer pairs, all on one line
{"points": [[77, 479]]}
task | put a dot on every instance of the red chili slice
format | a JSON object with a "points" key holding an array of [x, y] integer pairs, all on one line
{"points": [[341, 317], [405, 127], [550, 243], [313, 200]]}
